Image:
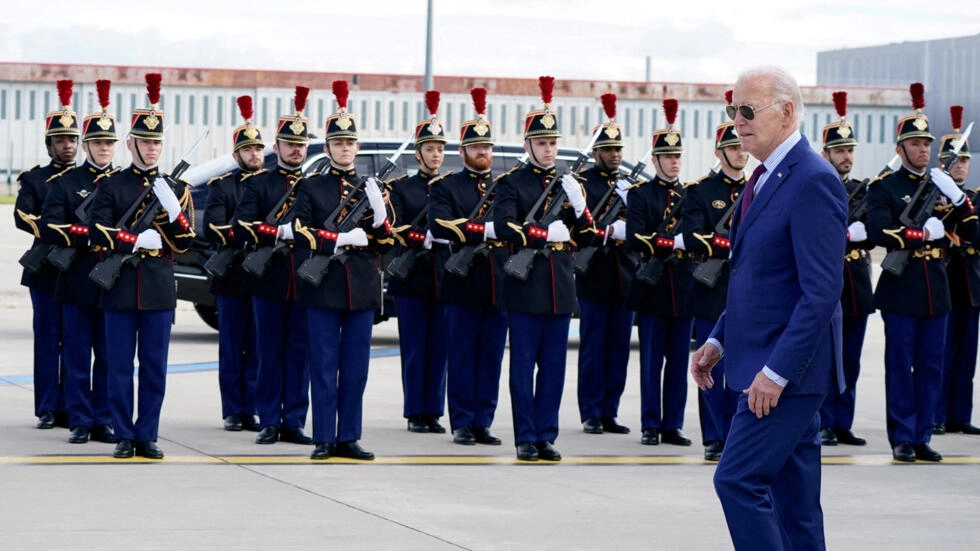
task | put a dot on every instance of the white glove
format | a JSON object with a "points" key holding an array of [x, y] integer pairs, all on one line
{"points": [[427, 243], [622, 184], [149, 240], [679, 242], [285, 232], [573, 190], [167, 198], [558, 232], [857, 232], [488, 232], [616, 230], [935, 228], [374, 197], [947, 186], [354, 238]]}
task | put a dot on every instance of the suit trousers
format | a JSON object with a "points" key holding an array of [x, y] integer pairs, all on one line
{"points": [[283, 393], [837, 411], [716, 406], [477, 337], [913, 375], [665, 346], [238, 364], [605, 329], [537, 340], [955, 403], [48, 388], [86, 390], [768, 479], [422, 344]]}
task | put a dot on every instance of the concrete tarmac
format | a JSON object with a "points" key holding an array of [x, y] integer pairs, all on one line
{"points": [[220, 490]]}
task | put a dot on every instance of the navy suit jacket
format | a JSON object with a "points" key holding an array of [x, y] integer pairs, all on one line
{"points": [[783, 309]]}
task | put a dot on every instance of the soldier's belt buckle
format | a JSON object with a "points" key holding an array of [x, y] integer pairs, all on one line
{"points": [[559, 246], [971, 251], [679, 254], [853, 255], [95, 248]]}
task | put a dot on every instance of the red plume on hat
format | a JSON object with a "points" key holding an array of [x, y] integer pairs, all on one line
{"points": [[547, 85], [245, 107], [432, 101], [918, 95], [102, 87], [840, 104], [670, 111], [299, 100], [479, 96], [64, 93], [728, 96], [956, 116], [341, 92], [153, 88], [609, 105]]}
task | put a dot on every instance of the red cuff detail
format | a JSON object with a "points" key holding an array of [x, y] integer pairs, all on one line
{"points": [[268, 230], [600, 233], [665, 242], [324, 234], [540, 233], [914, 234], [182, 220], [231, 233], [719, 241], [126, 237], [387, 226], [473, 227], [588, 215], [416, 236], [78, 229]]}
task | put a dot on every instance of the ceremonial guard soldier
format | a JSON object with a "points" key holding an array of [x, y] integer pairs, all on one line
{"points": [[83, 330], [660, 294], [261, 224], [138, 215], [61, 140], [540, 306], [342, 223], [837, 411], [476, 325], [706, 218], [955, 406], [237, 359], [913, 292], [605, 322], [421, 316]]}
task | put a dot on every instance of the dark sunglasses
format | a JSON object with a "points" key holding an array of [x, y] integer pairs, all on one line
{"points": [[747, 111]]}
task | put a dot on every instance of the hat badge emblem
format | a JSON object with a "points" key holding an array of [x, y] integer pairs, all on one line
{"points": [[104, 122], [920, 124], [297, 127]]}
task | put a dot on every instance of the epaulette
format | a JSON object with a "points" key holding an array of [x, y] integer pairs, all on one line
{"points": [[703, 178], [56, 175], [219, 178], [511, 171], [393, 180], [256, 173], [689, 184], [23, 172], [107, 174], [636, 185], [439, 177], [314, 174], [878, 179]]}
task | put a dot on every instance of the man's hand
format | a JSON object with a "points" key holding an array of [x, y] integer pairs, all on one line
{"points": [[573, 190], [167, 198], [376, 200], [763, 395], [703, 360], [946, 185]]}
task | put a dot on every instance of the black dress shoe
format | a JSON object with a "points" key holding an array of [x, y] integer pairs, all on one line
{"points": [[965, 428], [827, 437], [924, 453], [609, 424], [903, 452], [434, 425], [547, 452], [712, 450], [251, 423], [650, 437], [352, 450], [417, 424], [939, 428], [484, 436], [46, 420], [322, 451], [296, 436], [79, 435], [149, 450], [846, 436], [103, 433], [527, 451], [675, 437], [233, 423], [268, 435], [592, 425], [464, 436], [124, 449]]}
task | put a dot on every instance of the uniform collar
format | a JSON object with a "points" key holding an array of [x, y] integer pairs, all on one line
{"points": [[665, 183], [92, 169], [543, 172], [334, 171], [59, 166], [148, 173], [476, 175], [297, 172]]}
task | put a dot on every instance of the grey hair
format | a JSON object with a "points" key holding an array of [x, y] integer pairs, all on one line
{"points": [[783, 85]]}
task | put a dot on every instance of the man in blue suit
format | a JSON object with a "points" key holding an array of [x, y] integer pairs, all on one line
{"points": [[781, 328]]}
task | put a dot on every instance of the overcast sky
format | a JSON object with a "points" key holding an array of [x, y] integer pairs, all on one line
{"points": [[688, 41]]}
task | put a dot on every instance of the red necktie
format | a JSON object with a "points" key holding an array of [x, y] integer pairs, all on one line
{"points": [[750, 189]]}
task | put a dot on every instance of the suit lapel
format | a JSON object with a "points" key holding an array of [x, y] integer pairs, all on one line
{"points": [[771, 187]]}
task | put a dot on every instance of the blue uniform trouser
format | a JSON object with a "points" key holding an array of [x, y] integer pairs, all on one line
{"points": [[238, 365], [665, 345], [145, 335], [913, 374], [955, 404], [542, 340], [768, 479], [340, 349], [283, 393], [86, 390], [422, 342], [48, 387], [477, 337], [716, 406], [604, 352], [837, 411]]}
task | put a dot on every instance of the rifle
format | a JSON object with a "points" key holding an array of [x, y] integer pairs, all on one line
{"points": [[708, 273], [315, 267], [650, 271], [34, 257], [519, 264], [857, 200], [583, 257], [919, 209], [257, 261], [401, 266]]}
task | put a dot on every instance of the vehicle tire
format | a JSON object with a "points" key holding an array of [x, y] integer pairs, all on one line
{"points": [[209, 314]]}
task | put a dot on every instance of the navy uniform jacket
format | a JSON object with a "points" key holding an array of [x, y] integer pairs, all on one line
{"points": [[648, 203], [964, 267], [350, 286], [60, 226], [550, 286], [261, 193], [223, 194], [857, 299], [706, 203], [452, 198], [149, 285], [34, 185], [409, 195], [613, 264], [923, 289]]}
